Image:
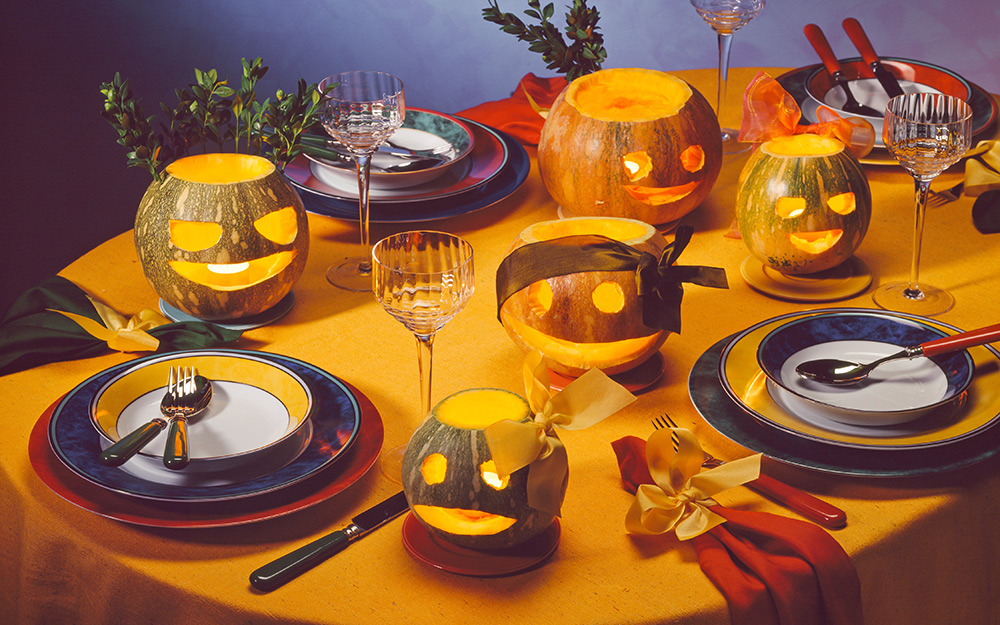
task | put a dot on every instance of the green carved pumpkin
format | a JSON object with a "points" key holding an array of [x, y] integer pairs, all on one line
{"points": [[450, 480], [223, 236], [803, 204]]}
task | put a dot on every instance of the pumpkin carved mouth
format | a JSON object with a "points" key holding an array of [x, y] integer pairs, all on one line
{"points": [[234, 276], [815, 242], [463, 522], [657, 196]]}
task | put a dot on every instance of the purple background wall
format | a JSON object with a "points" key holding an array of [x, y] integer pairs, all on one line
{"points": [[67, 188]]}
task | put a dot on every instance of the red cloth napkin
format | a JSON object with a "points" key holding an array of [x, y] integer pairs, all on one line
{"points": [[771, 569], [515, 115]]}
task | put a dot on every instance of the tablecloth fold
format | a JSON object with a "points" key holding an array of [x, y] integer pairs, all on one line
{"points": [[519, 115]]}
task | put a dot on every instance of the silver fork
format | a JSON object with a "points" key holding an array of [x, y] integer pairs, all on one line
{"points": [[800, 501], [187, 394]]}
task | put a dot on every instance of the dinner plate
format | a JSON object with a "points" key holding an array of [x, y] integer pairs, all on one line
{"points": [[322, 485], [336, 422], [257, 405], [741, 377], [734, 422], [984, 107], [506, 180], [488, 158]]}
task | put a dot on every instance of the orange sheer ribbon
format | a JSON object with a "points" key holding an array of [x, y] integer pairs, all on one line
{"points": [[770, 112]]}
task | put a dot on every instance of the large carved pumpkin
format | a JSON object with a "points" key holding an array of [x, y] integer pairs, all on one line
{"points": [[223, 236], [590, 319], [804, 204], [451, 482], [630, 143]]}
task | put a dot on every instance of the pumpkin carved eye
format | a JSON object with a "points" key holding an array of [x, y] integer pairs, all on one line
{"points": [[843, 204], [280, 226], [608, 297], [693, 158], [488, 471], [194, 236]]}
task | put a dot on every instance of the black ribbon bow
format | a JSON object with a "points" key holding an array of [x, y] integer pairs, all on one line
{"points": [[660, 282]]}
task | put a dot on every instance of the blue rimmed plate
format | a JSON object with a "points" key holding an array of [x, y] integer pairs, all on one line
{"points": [[335, 421]]}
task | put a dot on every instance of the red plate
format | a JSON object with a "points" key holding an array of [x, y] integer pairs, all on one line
{"points": [[320, 487], [494, 563]]}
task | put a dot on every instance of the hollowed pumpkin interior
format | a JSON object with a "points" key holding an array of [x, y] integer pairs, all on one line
{"points": [[628, 95], [222, 168]]}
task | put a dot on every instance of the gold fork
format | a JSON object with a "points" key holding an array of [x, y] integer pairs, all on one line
{"points": [[800, 501]]}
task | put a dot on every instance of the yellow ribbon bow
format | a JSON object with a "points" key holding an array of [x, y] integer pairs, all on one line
{"points": [[680, 498], [121, 334], [584, 402], [983, 173]]}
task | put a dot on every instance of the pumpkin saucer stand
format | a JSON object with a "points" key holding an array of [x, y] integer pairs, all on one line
{"points": [[258, 320], [847, 279]]}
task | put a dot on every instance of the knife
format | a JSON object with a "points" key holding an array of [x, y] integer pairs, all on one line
{"points": [[291, 565], [822, 47], [864, 46]]}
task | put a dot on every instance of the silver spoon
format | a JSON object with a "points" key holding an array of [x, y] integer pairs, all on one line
{"points": [[843, 372]]}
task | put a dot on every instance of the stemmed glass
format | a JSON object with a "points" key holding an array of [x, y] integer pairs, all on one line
{"points": [[360, 110], [422, 278], [927, 133], [726, 17]]}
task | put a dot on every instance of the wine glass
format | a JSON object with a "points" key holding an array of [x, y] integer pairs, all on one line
{"points": [[360, 110], [726, 17], [927, 133], [422, 278]]}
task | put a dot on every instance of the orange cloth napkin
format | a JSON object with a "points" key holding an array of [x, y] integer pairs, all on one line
{"points": [[772, 570], [520, 115]]}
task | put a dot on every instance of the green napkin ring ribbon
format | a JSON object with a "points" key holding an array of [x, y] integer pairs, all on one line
{"points": [[659, 281]]}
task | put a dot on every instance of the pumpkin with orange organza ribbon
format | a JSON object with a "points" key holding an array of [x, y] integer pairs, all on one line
{"points": [[770, 112]]}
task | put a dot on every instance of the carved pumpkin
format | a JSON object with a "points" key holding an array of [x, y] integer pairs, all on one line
{"points": [[223, 236], [803, 204], [589, 319], [630, 143], [450, 480]]}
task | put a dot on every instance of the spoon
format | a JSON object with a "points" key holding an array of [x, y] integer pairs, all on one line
{"points": [[843, 372], [822, 47]]}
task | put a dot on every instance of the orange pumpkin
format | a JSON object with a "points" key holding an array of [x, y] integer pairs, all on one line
{"points": [[590, 319], [632, 143], [223, 236]]}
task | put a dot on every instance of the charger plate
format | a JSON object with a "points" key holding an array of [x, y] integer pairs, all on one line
{"points": [[336, 422], [322, 485], [741, 377]]}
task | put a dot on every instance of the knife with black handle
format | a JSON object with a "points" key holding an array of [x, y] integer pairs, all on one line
{"points": [[291, 565], [864, 46]]}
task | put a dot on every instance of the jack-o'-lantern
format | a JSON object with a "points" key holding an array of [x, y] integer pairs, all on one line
{"points": [[804, 204], [585, 320], [223, 236], [451, 482], [630, 143]]}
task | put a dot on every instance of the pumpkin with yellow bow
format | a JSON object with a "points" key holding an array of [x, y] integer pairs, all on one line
{"points": [[486, 470]]}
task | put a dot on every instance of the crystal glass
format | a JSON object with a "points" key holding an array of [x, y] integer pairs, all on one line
{"points": [[726, 17], [361, 110], [927, 133], [423, 279]]}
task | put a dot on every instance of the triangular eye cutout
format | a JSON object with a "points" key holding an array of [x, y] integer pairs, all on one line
{"points": [[843, 204], [194, 236], [280, 226]]}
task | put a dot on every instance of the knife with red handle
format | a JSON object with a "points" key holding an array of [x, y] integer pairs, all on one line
{"points": [[864, 46], [822, 47]]}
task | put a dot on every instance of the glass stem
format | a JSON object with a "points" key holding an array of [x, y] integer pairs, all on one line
{"points": [[363, 162], [725, 43], [425, 361], [913, 291]]}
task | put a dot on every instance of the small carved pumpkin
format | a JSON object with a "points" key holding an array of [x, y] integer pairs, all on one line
{"points": [[630, 143], [590, 319], [451, 482], [803, 205], [223, 236]]}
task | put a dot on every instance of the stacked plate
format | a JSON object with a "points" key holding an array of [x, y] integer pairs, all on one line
{"points": [[493, 168], [732, 392], [811, 87], [280, 435]]}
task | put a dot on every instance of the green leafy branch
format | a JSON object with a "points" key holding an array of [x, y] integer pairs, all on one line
{"points": [[208, 115], [582, 55]]}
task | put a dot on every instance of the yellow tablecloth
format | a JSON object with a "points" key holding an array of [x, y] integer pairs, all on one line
{"points": [[926, 550]]}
